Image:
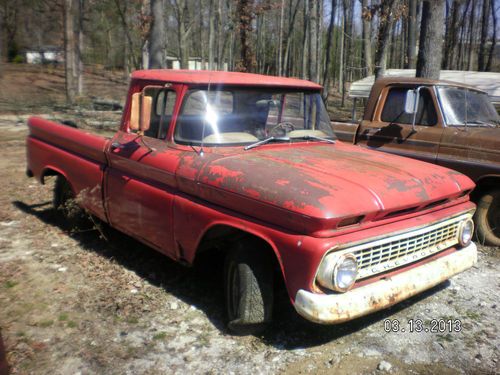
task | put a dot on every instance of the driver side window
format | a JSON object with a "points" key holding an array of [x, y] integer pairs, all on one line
{"points": [[394, 106]]}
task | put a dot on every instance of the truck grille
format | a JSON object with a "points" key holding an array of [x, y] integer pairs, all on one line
{"points": [[395, 251]]}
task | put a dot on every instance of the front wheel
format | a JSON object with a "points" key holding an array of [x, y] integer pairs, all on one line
{"points": [[487, 218], [248, 288]]}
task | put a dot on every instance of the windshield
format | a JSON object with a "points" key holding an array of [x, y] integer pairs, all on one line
{"points": [[245, 116], [462, 105]]}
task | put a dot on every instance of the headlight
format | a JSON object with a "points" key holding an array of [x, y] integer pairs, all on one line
{"points": [[465, 232], [338, 272]]}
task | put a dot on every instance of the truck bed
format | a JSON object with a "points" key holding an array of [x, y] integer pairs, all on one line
{"points": [[54, 148]]}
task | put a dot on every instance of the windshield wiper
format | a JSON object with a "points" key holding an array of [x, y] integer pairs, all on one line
{"points": [[309, 137], [267, 140]]}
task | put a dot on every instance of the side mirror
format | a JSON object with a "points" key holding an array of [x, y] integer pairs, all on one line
{"points": [[134, 111], [147, 104], [140, 113], [411, 102]]}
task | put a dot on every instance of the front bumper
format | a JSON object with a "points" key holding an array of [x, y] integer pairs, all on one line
{"points": [[338, 308]]}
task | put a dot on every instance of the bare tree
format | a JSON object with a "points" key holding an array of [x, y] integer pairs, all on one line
{"points": [[329, 42], [10, 20], [305, 39], [156, 42], [280, 43], [69, 7], [313, 41], [385, 23], [493, 38], [451, 35], [184, 29], [367, 41], [485, 20], [431, 39], [288, 38], [461, 46], [471, 34], [412, 34], [122, 13], [245, 14]]}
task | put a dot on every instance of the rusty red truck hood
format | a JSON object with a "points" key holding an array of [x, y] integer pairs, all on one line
{"points": [[312, 187]]}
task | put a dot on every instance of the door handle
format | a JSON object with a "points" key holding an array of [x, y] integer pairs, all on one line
{"points": [[116, 145]]}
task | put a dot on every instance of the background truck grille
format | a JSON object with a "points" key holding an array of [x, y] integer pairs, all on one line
{"points": [[395, 251]]}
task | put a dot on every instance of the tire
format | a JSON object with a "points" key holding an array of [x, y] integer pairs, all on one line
{"points": [[64, 202], [248, 279], [487, 218]]}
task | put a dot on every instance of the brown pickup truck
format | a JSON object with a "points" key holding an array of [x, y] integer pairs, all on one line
{"points": [[441, 122]]}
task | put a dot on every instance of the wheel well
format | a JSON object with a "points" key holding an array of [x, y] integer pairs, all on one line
{"points": [[220, 238], [484, 185], [50, 172]]}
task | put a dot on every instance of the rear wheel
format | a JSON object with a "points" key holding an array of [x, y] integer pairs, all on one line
{"points": [[65, 202], [487, 218], [248, 288]]}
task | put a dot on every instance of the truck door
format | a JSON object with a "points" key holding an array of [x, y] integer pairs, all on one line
{"points": [[140, 181], [391, 129]]}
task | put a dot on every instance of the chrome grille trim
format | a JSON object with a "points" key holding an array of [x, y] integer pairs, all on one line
{"points": [[395, 251]]}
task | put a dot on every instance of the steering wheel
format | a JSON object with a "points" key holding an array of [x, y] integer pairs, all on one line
{"points": [[285, 126]]}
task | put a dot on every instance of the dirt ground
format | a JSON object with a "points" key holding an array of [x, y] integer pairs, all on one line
{"points": [[72, 302]]}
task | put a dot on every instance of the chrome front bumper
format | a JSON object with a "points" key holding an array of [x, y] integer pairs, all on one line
{"points": [[338, 308]]}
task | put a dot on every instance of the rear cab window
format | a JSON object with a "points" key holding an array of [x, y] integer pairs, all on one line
{"points": [[162, 111]]}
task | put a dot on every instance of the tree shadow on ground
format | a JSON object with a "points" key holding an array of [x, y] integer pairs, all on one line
{"points": [[202, 285]]}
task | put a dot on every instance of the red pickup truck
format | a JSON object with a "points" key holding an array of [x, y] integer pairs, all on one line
{"points": [[249, 165]]}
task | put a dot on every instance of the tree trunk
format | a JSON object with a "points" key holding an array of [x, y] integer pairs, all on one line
{"points": [[451, 36], [319, 44], [305, 40], [367, 41], [1, 44], [460, 58], [313, 41], [481, 58], [493, 38], [341, 58], [220, 37], [69, 50], [157, 36], [385, 22], [247, 61], [392, 45], [431, 39], [211, 35], [471, 34], [122, 13], [280, 41], [411, 50], [145, 28], [329, 40], [78, 69], [184, 33], [291, 26]]}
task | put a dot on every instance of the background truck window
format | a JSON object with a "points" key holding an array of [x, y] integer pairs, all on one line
{"points": [[394, 106]]}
